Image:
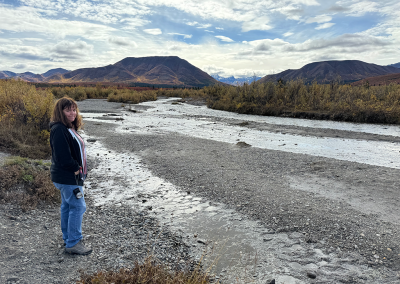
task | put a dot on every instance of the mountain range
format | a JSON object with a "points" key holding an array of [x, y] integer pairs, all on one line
{"points": [[174, 71], [235, 81], [155, 70], [32, 77], [326, 71]]}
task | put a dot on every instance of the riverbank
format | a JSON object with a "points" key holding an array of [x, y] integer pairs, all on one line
{"points": [[339, 214], [33, 252], [312, 219]]}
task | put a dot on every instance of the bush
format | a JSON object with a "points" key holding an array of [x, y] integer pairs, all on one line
{"points": [[27, 183], [132, 96], [24, 117], [380, 104]]}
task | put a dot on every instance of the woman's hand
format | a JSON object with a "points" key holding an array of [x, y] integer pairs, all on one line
{"points": [[76, 173]]}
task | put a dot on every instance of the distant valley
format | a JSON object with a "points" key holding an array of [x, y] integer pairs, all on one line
{"points": [[235, 81]]}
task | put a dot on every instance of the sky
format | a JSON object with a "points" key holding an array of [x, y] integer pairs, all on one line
{"points": [[225, 37]]}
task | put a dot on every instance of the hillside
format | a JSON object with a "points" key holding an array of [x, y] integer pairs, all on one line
{"points": [[55, 71], [32, 77], [380, 80], [327, 71], [7, 74], [154, 70], [157, 70], [397, 65]]}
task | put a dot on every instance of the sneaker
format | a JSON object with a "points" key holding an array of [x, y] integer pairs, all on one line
{"points": [[79, 248]]}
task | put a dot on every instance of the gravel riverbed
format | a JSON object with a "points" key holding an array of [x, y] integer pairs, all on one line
{"points": [[346, 210]]}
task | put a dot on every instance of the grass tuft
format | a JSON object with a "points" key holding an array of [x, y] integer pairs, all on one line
{"points": [[151, 271]]}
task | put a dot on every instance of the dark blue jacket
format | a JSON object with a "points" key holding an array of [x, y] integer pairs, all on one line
{"points": [[65, 155]]}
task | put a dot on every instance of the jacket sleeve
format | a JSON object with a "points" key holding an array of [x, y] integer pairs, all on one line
{"points": [[62, 151]]}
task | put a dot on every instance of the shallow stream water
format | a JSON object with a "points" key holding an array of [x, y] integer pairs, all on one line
{"points": [[235, 247]]}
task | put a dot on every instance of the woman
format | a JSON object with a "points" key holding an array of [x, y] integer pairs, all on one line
{"points": [[68, 171]]}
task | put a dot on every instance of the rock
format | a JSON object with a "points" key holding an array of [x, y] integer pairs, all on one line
{"points": [[200, 241], [91, 140], [242, 144], [311, 274]]}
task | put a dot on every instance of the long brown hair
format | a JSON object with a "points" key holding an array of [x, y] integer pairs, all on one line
{"points": [[58, 114]]}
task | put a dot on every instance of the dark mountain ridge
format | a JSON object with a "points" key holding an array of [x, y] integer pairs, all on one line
{"points": [[153, 70], [327, 71], [7, 74], [30, 76], [156, 70], [397, 65], [55, 71]]}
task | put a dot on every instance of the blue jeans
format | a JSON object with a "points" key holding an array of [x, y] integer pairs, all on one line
{"points": [[72, 210]]}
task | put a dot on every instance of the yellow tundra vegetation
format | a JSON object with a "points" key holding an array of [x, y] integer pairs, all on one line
{"points": [[24, 118], [380, 104]]}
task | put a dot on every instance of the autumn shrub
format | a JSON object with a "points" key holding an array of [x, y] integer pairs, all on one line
{"points": [[27, 183], [181, 93], [150, 271], [24, 117], [377, 104], [80, 93], [132, 96]]}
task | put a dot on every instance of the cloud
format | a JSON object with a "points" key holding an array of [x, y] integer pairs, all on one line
{"points": [[99, 11], [260, 24], [319, 19], [71, 50], [198, 25], [153, 31], [175, 48], [218, 28], [204, 26], [23, 52], [19, 66], [338, 9], [287, 34], [122, 41], [361, 8], [292, 12], [23, 19], [184, 35], [262, 46], [271, 42], [324, 26], [225, 39], [306, 2], [350, 42], [133, 24]]}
